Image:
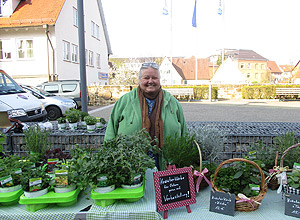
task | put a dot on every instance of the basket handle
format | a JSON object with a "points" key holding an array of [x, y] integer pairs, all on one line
{"points": [[242, 160], [200, 155], [286, 151]]}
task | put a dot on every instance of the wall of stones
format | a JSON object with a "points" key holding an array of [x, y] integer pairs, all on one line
{"points": [[102, 95]]}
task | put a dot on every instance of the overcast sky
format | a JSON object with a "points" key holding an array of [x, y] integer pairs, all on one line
{"points": [[139, 28]]}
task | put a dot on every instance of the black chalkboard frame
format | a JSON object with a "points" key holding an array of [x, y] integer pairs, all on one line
{"points": [[164, 207]]}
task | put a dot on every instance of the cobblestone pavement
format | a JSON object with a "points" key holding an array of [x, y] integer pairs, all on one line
{"points": [[230, 110]]}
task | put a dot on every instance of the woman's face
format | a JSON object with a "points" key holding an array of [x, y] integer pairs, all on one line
{"points": [[150, 81]]}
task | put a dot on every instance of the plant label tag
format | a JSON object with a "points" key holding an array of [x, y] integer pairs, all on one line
{"points": [[61, 178], [222, 203], [35, 184], [292, 205], [6, 181]]}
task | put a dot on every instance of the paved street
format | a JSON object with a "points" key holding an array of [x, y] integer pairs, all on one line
{"points": [[230, 110]]}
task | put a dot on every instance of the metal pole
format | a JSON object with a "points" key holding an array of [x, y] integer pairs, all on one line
{"points": [[81, 39]]}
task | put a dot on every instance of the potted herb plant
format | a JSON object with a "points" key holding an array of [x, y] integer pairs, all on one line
{"points": [[35, 182], [131, 159], [10, 174], [73, 119], [82, 115], [90, 123], [100, 122], [36, 140], [61, 123]]}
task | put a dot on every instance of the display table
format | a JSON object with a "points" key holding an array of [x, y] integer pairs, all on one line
{"points": [[272, 208]]}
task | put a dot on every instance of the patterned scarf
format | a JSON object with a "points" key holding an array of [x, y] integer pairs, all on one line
{"points": [[153, 124]]}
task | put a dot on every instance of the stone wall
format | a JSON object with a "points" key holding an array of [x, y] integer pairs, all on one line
{"points": [[102, 95]]}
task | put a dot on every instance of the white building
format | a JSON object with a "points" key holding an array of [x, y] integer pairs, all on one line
{"points": [[168, 74], [39, 40]]}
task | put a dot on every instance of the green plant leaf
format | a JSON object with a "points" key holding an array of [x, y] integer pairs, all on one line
{"points": [[238, 174]]}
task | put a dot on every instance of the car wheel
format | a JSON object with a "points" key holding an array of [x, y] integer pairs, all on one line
{"points": [[53, 113]]}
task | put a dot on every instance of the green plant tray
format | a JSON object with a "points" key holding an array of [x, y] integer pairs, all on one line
{"points": [[60, 199], [10, 198], [128, 195]]}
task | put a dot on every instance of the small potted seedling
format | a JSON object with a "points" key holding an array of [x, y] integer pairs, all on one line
{"points": [[100, 122], [73, 119], [90, 123], [35, 182], [61, 123], [82, 115]]}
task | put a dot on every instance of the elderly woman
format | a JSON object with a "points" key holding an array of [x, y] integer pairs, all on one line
{"points": [[147, 106]]}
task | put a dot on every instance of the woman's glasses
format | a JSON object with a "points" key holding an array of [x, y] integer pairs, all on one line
{"points": [[153, 65]]}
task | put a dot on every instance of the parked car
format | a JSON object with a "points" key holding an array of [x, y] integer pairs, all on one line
{"points": [[17, 103], [65, 88], [56, 106]]}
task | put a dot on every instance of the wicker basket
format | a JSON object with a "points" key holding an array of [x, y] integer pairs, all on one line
{"points": [[245, 206], [287, 188]]}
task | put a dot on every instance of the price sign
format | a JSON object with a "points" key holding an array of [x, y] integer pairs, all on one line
{"points": [[292, 205], [222, 203]]}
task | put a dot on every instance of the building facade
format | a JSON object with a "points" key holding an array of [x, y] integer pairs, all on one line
{"points": [[39, 41]]}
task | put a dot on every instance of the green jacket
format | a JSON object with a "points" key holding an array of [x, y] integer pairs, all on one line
{"points": [[126, 116]]}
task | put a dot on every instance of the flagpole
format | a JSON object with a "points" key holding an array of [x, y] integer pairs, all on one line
{"points": [[171, 50], [194, 24]]}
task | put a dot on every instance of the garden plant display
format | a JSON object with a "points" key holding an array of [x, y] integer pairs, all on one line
{"points": [[237, 180]]}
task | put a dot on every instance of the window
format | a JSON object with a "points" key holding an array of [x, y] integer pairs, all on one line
{"points": [[93, 29], [242, 65], [75, 17], [262, 66], [86, 57], [248, 75], [91, 58], [68, 87], [256, 75], [74, 53], [97, 32], [98, 61], [5, 49], [256, 66], [249, 66], [66, 46], [25, 49], [51, 88]]}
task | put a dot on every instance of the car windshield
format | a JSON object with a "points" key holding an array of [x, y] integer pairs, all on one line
{"points": [[40, 91], [8, 85]]}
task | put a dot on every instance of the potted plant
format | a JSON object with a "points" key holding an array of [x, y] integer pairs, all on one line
{"points": [[35, 182], [131, 159], [61, 123], [36, 140], [82, 115], [100, 122], [293, 183], [10, 174], [211, 142], [90, 123], [73, 119]]}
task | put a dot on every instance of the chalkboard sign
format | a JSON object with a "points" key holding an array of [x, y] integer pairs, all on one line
{"points": [[222, 203], [292, 205], [174, 188]]}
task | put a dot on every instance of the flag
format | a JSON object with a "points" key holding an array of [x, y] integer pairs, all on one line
{"points": [[194, 23], [220, 8], [165, 11]]}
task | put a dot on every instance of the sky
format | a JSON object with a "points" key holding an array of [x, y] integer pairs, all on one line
{"points": [[138, 28]]}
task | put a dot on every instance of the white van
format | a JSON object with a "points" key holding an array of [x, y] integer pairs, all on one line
{"points": [[17, 103]]}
